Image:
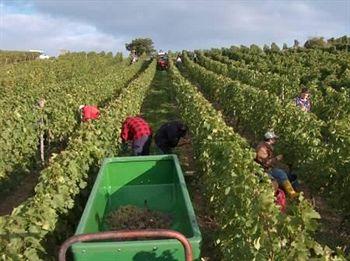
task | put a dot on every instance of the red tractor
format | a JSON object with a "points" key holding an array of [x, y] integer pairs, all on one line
{"points": [[162, 62]]}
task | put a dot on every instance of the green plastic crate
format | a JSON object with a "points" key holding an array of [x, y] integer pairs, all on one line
{"points": [[132, 180]]}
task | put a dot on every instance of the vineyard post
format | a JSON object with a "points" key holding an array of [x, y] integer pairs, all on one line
{"points": [[41, 104]]}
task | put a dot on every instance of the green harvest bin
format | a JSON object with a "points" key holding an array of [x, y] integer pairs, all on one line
{"points": [[134, 180]]}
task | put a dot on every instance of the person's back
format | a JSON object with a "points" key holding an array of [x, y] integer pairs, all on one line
{"points": [[137, 130], [169, 134], [134, 128], [89, 112]]}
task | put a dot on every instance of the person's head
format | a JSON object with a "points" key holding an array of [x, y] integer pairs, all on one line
{"points": [[80, 109], [270, 137], [41, 103], [305, 93]]}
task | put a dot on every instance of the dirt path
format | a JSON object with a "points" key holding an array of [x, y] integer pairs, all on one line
{"points": [[19, 194], [334, 231], [158, 108]]}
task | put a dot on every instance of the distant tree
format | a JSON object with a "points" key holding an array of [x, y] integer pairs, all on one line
{"points": [[234, 48], [331, 41], [118, 57], [296, 44], [141, 46], [342, 43], [285, 46], [255, 49], [266, 48], [315, 42], [91, 54], [244, 48], [275, 48], [215, 50]]}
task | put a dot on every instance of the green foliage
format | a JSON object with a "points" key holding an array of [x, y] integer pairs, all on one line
{"points": [[315, 42], [255, 49], [275, 48], [266, 48], [8, 57], [252, 228], [141, 46], [93, 80], [118, 57], [23, 231], [283, 75], [309, 145], [341, 43]]}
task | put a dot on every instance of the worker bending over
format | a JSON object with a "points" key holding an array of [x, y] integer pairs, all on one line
{"points": [[137, 131], [168, 136], [88, 112]]}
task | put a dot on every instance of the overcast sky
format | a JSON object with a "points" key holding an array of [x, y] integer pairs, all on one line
{"points": [[77, 25]]}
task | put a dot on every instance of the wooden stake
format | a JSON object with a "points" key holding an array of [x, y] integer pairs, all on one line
{"points": [[41, 104]]}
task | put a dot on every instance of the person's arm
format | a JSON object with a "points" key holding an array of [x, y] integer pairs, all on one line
{"points": [[124, 132], [274, 160], [184, 142], [262, 156]]}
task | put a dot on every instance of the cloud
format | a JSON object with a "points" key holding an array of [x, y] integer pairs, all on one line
{"points": [[181, 25], [40, 31]]}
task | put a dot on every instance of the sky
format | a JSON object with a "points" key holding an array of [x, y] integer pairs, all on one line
{"points": [[91, 25]]}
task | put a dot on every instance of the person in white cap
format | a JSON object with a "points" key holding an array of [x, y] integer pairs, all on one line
{"points": [[265, 157]]}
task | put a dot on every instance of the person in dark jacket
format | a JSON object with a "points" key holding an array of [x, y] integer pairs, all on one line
{"points": [[169, 135]]}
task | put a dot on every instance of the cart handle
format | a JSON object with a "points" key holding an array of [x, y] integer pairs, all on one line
{"points": [[129, 234]]}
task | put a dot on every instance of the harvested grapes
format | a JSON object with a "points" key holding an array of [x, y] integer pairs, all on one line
{"points": [[131, 217]]}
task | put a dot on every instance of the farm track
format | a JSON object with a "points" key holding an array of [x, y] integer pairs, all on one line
{"points": [[158, 108], [333, 230]]}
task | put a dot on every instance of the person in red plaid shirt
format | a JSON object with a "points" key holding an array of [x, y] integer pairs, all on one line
{"points": [[138, 131]]}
